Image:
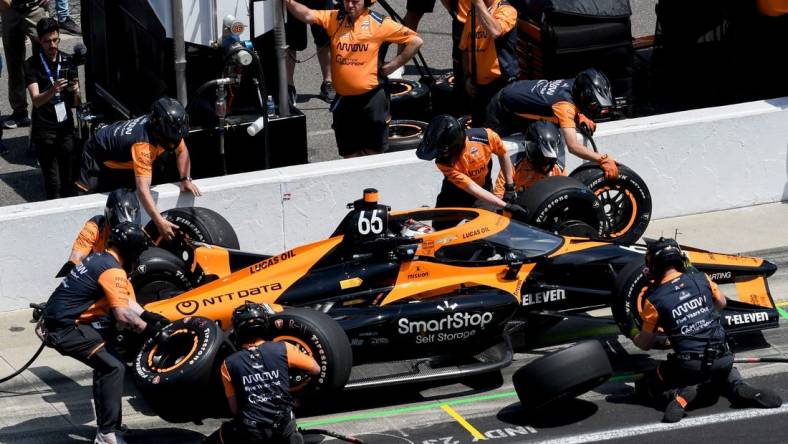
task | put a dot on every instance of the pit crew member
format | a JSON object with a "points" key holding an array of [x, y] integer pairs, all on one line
{"points": [[543, 155], [567, 102], [96, 290], [685, 303], [361, 106], [263, 412], [122, 155]]}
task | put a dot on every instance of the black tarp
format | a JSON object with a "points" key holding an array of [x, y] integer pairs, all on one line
{"points": [[607, 9]]}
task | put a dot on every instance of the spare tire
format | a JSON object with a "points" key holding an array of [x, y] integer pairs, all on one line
{"points": [[409, 99], [561, 375], [320, 337], [178, 371], [628, 298], [159, 275], [626, 201], [405, 134], [562, 204]]}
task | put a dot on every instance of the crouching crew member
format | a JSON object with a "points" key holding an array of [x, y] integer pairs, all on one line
{"points": [[263, 412], [465, 159], [566, 102], [685, 303], [489, 60], [98, 289], [361, 106], [544, 155]]}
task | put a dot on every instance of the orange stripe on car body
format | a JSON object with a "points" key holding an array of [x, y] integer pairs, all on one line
{"points": [[213, 260], [707, 257], [575, 244], [753, 290]]}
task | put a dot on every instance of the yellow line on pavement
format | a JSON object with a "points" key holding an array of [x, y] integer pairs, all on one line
{"points": [[471, 429]]}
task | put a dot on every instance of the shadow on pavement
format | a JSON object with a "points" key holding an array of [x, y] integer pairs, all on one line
{"points": [[559, 414]]}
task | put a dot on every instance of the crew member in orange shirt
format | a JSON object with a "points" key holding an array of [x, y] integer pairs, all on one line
{"points": [[361, 107], [489, 63], [458, 10], [544, 155], [465, 159]]}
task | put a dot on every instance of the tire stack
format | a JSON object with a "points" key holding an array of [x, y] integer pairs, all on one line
{"points": [[410, 108]]}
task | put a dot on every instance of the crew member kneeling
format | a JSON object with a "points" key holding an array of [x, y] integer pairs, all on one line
{"points": [[684, 304], [544, 155], [257, 385], [361, 107]]}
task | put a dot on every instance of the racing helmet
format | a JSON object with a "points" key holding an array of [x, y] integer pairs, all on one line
{"points": [[413, 228], [168, 122], [129, 240], [544, 145], [122, 206], [591, 92], [443, 140], [663, 253], [250, 321]]}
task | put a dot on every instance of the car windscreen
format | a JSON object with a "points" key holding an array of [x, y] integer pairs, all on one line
{"points": [[526, 240]]}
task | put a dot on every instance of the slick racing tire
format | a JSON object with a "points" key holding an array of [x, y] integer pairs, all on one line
{"points": [[409, 99], [626, 201], [563, 205], [561, 375], [405, 134], [320, 337], [629, 292], [178, 371], [159, 275], [443, 96]]}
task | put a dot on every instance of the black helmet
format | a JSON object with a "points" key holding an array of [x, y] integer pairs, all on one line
{"points": [[544, 145], [122, 206], [443, 139], [250, 321], [130, 241], [168, 122], [591, 92], [663, 253]]}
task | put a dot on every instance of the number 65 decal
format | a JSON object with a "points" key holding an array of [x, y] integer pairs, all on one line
{"points": [[372, 225]]}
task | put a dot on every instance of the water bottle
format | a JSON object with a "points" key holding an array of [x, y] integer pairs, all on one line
{"points": [[270, 107]]}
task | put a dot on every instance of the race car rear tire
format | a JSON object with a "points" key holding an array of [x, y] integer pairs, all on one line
{"points": [[554, 203], [409, 99], [321, 337], [178, 371], [561, 375], [159, 275], [628, 297], [625, 201], [405, 134], [199, 224]]}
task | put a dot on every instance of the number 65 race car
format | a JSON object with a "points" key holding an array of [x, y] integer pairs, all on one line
{"points": [[387, 299]]}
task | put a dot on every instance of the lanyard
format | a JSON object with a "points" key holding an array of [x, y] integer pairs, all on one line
{"points": [[46, 67]]}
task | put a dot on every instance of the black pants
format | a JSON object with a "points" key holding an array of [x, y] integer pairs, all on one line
{"points": [[453, 196], [94, 177], [236, 432], [481, 100], [57, 157], [675, 376], [85, 344], [500, 119]]}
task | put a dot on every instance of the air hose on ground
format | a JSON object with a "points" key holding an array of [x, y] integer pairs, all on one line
{"points": [[37, 308]]}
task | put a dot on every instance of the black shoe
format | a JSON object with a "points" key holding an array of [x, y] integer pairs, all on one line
{"points": [[674, 411], [70, 26], [16, 120], [327, 92], [3, 149], [763, 398], [292, 95]]}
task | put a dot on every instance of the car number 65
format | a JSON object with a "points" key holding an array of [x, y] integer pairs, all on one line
{"points": [[373, 224]]}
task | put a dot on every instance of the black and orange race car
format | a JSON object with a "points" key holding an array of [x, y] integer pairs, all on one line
{"points": [[387, 299]]}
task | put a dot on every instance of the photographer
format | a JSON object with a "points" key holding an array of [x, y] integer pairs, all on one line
{"points": [[53, 84]]}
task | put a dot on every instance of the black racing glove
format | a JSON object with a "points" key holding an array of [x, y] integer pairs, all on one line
{"points": [[65, 269], [155, 321], [516, 211], [509, 195]]}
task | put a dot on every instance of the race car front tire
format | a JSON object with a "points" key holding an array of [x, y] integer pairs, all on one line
{"points": [[625, 201], [159, 275], [561, 375], [628, 298], [320, 337], [178, 371], [562, 204]]}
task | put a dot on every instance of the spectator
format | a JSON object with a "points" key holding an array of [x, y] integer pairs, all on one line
{"points": [[64, 19], [361, 107], [123, 154], [54, 90], [295, 32], [489, 61], [19, 20], [414, 11]]}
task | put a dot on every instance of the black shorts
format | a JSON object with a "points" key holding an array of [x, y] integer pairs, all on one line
{"points": [[295, 30], [361, 122], [94, 177], [420, 5]]}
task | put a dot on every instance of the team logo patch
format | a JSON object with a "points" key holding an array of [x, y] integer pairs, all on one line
{"points": [[279, 324]]}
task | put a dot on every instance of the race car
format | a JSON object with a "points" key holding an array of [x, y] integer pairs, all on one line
{"points": [[387, 299]]}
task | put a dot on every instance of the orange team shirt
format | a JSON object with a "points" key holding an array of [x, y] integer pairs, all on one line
{"points": [[650, 315], [525, 175], [473, 163], [118, 292], [143, 154], [487, 67], [91, 239], [295, 359], [355, 45], [463, 9], [772, 8]]}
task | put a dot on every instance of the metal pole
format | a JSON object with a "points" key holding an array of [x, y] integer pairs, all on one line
{"points": [[180, 51], [281, 46]]}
